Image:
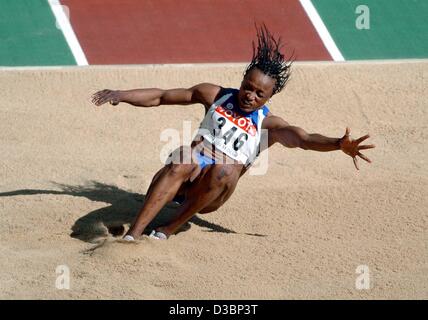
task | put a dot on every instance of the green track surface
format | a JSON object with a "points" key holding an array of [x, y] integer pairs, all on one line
{"points": [[29, 37], [398, 28]]}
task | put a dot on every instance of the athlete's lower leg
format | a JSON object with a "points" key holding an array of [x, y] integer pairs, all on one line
{"points": [[161, 191], [215, 187]]}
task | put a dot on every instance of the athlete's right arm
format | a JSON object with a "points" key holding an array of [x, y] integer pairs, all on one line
{"points": [[204, 93]]}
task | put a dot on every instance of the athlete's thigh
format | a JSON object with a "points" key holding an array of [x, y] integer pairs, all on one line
{"points": [[220, 200], [230, 176]]}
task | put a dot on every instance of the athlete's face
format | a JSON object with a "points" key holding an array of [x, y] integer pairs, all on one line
{"points": [[256, 89]]}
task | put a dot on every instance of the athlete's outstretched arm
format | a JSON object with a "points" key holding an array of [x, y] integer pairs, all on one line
{"points": [[204, 93], [294, 137]]}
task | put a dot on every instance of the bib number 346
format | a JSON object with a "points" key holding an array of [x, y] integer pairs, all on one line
{"points": [[228, 135]]}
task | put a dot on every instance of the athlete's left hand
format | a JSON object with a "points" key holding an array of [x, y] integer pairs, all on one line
{"points": [[352, 147], [106, 95]]}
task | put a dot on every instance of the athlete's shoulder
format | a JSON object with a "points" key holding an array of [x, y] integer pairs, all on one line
{"points": [[207, 88], [225, 94], [273, 122], [225, 91], [266, 111], [205, 93]]}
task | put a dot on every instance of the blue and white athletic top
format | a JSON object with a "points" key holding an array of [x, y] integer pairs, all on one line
{"points": [[231, 130]]}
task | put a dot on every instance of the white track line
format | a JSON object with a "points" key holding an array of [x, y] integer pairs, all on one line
{"points": [[68, 32], [322, 30]]}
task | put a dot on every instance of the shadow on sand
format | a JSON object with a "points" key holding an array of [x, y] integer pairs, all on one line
{"points": [[113, 218]]}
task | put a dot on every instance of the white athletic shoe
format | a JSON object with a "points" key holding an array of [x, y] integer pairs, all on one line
{"points": [[158, 235], [128, 238]]}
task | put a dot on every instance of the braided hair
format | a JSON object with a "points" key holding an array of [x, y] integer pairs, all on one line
{"points": [[268, 59]]}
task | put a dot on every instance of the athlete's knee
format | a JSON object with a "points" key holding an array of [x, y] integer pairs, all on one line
{"points": [[211, 208], [179, 162], [224, 175], [181, 170]]}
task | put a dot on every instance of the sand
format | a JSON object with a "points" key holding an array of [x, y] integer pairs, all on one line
{"points": [[71, 170]]}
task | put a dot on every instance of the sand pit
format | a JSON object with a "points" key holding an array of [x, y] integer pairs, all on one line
{"points": [[71, 170]]}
